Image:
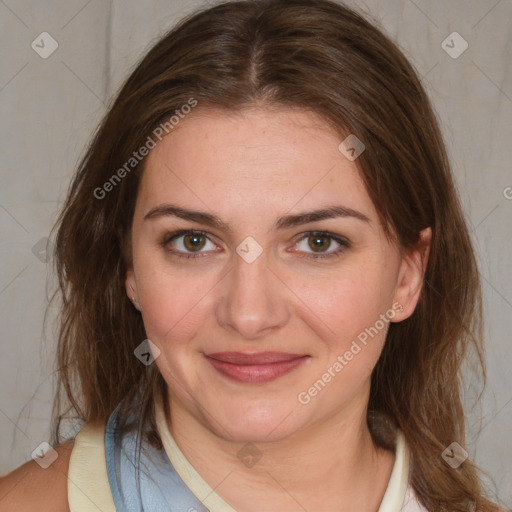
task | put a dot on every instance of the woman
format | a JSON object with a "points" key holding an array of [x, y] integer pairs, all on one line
{"points": [[268, 285]]}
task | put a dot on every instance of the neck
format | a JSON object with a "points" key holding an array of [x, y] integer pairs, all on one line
{"points": [[331, 465]]}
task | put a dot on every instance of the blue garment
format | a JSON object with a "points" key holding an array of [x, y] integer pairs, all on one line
{"points": [[145, 483]]}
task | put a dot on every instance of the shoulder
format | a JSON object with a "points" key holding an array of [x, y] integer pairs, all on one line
{"points": [[30, 487]]}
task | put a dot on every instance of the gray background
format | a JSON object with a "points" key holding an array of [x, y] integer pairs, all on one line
{"points": [[49, 108]]}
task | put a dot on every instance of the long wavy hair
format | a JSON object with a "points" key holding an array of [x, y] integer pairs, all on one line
{"points": [[322, 57]]}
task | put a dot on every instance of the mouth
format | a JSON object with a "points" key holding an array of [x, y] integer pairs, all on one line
{"points": [[256, 367]]}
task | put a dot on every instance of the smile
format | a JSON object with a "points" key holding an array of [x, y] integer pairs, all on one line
{"points": [[255, 368]]}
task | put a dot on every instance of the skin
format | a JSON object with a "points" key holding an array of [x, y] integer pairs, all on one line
{"points": [[249, 169], [29, 487]]}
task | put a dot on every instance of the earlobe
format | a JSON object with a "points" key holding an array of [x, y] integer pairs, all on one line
{"points": [[411, 275]]}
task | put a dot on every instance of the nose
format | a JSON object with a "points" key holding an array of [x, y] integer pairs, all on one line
{"points": [[254, 300]]}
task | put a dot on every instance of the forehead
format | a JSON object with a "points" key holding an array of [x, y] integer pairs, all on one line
{"points": [[258, 159]]}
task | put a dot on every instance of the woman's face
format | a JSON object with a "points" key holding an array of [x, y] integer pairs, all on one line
{"points": [[271, 310]]}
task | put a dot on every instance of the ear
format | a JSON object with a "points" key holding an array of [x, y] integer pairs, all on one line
{"points": [[410, 276], [131, 288]]}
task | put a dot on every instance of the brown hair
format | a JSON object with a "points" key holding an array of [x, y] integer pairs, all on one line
{"points": [[323, 57]]}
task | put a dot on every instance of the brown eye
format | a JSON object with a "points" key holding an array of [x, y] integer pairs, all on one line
{"points": [[194, 242], [188, 243], [319, 243]]}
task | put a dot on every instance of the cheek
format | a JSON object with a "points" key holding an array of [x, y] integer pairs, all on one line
{"points": [[349, 299], [356, 314], [350, 312], [172, 300], [172, 313]]}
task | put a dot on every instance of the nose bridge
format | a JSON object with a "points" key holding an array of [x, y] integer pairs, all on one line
{"points": [[253, 302]]}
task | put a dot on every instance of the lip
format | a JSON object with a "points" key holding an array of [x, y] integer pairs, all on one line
{"points": [[255, 367]]}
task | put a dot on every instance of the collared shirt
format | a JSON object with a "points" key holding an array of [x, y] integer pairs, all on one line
{"points": [[91, 482]]}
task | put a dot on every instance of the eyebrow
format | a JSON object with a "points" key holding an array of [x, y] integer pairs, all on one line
{"points": [[287, 221]]}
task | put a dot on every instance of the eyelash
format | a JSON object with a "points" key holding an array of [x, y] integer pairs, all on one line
{"points": [[344, 244]]}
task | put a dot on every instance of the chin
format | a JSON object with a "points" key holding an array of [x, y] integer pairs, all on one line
{"points": [[258, 424]]}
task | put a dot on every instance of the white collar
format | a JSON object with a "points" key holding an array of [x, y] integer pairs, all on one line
{"points": [[393, 500], [394, 496]]}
